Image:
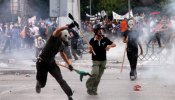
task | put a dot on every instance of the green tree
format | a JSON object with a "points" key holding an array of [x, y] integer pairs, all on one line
{"points": [[120, 6]]}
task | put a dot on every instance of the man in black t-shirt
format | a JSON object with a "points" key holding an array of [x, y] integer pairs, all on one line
{"points": [[98, 47], [46, 62]]}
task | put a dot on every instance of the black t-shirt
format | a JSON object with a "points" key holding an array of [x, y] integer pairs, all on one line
{"points": [[99, 48], [133, 39], [42, 32], [52, 47], [75, 34]]}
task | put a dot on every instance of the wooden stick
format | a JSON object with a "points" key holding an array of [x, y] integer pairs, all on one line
{"points": [[123, 59], [62, 65]]}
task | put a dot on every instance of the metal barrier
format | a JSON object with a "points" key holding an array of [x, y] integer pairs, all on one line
{"points": [[152, 52]]}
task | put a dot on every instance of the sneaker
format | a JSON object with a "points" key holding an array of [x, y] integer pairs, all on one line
{"points": [[95, 93], [133, 75], [92, 93], [38, 87], [70, 98]]}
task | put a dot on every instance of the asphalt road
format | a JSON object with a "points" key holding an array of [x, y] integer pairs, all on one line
{"points": [[156, 78], [113, 86]]}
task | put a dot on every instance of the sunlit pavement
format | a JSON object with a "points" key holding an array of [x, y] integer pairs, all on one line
{"points": [[157, 81]]}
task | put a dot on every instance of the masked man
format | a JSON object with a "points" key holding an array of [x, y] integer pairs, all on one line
{"points": [[46, 62], [131, 38]]}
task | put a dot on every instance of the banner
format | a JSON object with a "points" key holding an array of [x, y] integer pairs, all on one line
{"points": [[116, 16], [127, 15], [120, 17]]}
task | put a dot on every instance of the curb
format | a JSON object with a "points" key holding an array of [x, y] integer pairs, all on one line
{"points": [[16, 72]]}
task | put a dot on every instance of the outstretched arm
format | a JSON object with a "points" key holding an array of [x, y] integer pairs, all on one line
{"points": [[141, 50], [57, 32], [64, 57], [110, 46]]}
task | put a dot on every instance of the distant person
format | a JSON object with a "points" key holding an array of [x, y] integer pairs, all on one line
{"points": [[39, 45], [8, 38], [124, 26], [74, 43]]}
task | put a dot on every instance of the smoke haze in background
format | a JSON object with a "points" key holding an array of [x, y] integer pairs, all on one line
{"points": [[39, 8]]}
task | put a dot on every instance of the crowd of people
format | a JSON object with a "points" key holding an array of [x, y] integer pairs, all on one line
{"points": [[34, 36], [152, 27]]}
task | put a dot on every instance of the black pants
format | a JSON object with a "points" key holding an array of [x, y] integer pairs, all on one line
{"points": [[157, 36], [132, 55], [7, 45], [42, 70]]}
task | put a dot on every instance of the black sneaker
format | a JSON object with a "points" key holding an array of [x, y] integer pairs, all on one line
{"points": [[133, 75], [38, 87], [70, 98], [92, 93], [95, 93]]}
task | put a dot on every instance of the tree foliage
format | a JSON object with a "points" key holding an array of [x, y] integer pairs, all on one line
{"points": [[119, 6]]}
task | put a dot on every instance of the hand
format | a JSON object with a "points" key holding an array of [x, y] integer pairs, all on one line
{"points": [[107, 48], [70, 67], [72, 25], [90, 51]]}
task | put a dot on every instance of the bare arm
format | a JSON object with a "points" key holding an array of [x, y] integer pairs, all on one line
{"points": [[125, 39], [141, 50], [91, 50], [63, 55], [110, 46], [57, 32]]}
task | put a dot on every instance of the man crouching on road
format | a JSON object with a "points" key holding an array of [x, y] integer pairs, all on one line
{"points": [[46, 61]]}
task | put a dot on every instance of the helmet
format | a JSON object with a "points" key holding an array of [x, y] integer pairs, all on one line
{"points": [[97, 27]]}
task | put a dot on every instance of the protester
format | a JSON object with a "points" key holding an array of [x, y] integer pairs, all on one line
{"points": [[8, 38], [74, 44], [131, 38], [124, 26], [98, 46], [39, 45], [46, 62]]}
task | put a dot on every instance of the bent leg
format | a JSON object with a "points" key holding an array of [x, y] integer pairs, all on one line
{"points": [[41, 74], [56, 73]]}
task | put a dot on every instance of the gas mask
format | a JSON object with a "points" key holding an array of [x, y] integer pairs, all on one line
{"points": [[65, 37], [131, 24]]}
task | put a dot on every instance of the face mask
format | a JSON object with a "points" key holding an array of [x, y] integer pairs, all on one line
{"points": [[65, 37], [131, 24]]}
